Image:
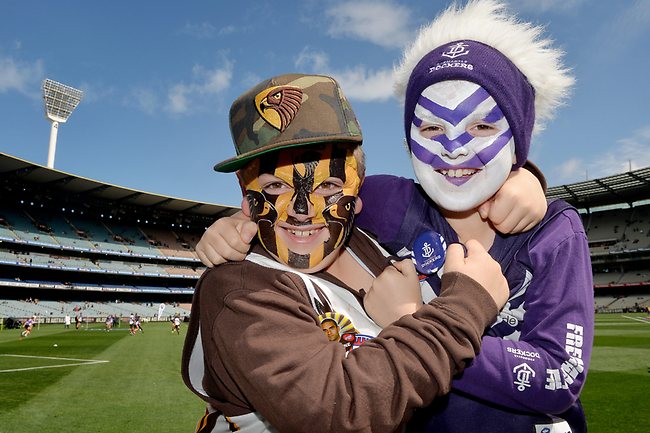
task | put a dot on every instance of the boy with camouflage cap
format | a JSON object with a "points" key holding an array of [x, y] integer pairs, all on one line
{"points": [[281, 341]]}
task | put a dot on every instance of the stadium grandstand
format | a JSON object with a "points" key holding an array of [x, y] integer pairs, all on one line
{"points": [[79, 247], [616, 214], [71, 245]]}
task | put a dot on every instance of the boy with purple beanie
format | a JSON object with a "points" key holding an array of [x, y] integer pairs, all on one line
{"points": [[476, 82]]}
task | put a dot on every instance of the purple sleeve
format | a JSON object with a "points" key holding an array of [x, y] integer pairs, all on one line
{"points": [[385, 200], [544, 368]]}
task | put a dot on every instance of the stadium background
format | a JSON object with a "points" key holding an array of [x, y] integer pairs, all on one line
{"points": [[76, 243], [71, 245]]}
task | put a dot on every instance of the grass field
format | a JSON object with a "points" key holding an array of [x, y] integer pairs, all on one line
{"points": [[138, 390], [616, 397], [114, 382]]}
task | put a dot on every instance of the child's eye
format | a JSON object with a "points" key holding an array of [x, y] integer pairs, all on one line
{"points": [[483, 129], [430, 131], [329, 187], [275, 188]]}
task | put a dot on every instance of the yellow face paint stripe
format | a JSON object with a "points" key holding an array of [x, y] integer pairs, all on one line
{"points": [[323, 167], [317, 255]]}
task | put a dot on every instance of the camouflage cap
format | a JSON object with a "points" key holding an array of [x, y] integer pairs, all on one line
{"points": [[287, 111]]}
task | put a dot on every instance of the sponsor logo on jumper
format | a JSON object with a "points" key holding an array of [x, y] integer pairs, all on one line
{"points": [[512, 314], [559, 426], [456, 50], [523, 354], [570, 369], [509, 319], [523, 374]]}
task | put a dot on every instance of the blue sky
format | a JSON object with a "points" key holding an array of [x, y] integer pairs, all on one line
{"points": [[159, 77]]}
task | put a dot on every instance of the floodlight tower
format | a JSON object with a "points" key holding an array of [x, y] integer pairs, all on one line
{"points": [[60, 101]]}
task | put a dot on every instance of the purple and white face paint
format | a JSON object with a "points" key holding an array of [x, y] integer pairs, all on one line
{"points": [[462, 148]]}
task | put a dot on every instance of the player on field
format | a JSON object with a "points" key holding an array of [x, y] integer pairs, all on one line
{"points": [[28, 325], [176, 324]]}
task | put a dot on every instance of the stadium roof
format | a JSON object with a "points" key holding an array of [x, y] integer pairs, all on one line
{"points": [[30, 172], [624, 188], [629, 187]]}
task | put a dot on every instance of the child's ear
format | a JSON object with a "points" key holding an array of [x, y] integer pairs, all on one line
{"points": [[242, 185], [358, 205], [245, 208]]}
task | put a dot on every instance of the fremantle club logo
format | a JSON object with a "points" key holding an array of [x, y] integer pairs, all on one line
{"points": [[429, 250], [459, 49], [523, 374], [456, 50]]}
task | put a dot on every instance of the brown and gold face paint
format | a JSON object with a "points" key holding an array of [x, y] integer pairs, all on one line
{"points": [[306, 211]]}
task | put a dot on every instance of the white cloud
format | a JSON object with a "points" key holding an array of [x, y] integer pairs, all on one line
{"points": [[363, 85], [570, 169], [384, 23], [205, 83], [314, 60], [146, 100], [21, 77], [627, 153], [631, 152], [213, 81], [177, 98], [358, 82]]}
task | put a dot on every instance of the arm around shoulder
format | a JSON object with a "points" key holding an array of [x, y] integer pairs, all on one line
{"points": [[267, 351]]}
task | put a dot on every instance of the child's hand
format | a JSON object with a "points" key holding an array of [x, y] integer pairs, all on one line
{"points": [[226, 239], [519, 204], [394, 293], [479, 266]]}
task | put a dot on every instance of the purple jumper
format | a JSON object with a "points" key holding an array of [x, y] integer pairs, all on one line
{"points": [[535, 357]]}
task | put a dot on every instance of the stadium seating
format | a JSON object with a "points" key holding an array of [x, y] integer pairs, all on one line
{"points": [[170, 243], [616, 230], [66, 248]]}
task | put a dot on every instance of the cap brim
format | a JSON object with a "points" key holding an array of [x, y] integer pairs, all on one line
{"points": [[234, 164]]}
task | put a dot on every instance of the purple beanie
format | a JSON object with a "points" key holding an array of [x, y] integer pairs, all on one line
{"points": [[481, 64]]}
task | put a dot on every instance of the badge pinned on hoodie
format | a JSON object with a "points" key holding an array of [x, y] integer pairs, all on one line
{"points": [[429, 251]]}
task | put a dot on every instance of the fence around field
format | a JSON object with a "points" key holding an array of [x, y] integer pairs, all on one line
{"points": [[90, 312]]}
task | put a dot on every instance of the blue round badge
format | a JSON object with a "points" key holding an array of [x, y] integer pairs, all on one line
{"points": [[429, 252]]}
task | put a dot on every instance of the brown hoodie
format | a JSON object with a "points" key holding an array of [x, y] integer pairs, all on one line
{"points": [[264, 351]]}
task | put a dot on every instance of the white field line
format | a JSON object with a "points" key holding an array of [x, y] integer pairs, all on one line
{"points": [[83, 362], [638, 319]]}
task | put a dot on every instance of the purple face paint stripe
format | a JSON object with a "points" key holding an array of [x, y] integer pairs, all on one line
{"points": [[486, 155], [448, 144], [451, 145], [464, 109], [478, 161], [494, 116], [424, 155]]}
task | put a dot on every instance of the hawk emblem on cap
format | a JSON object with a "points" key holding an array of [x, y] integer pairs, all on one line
{"points": [[278, 105]]}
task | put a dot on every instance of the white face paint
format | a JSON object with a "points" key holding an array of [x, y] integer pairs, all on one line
{"points": [[462, 148]]}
